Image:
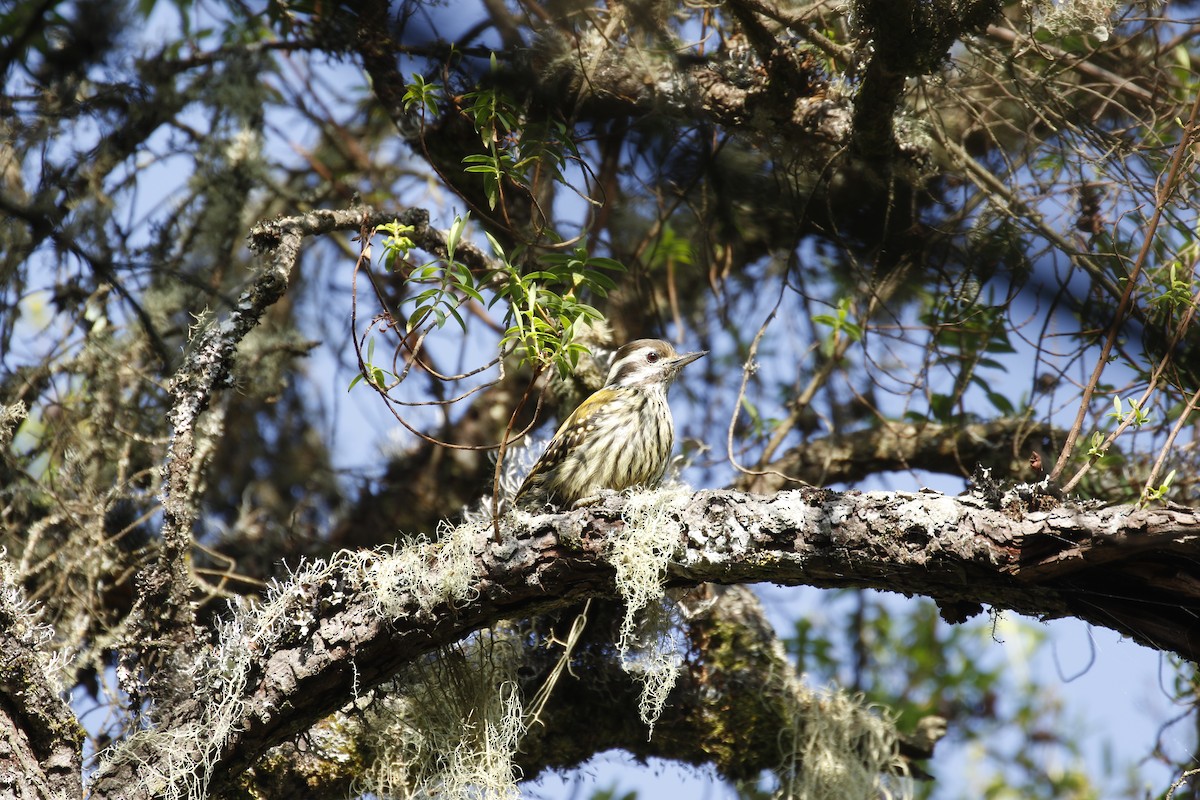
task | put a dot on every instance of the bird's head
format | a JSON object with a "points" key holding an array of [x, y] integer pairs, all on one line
{"points": [[647, 362]]}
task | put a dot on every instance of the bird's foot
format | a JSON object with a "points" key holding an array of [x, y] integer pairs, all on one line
{"points": [[595, 499]]}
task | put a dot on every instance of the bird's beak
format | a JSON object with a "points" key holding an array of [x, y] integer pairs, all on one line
{"points": [[682, 360]]}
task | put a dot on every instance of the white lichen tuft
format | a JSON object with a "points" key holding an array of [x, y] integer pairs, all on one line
{"points": [[26, 626], [1063, 18], [10, 418], [187, 754], [448, 727], [842, 748], [834, 744], [651, 537], [427, 572], [652, 656], [518, 463]]}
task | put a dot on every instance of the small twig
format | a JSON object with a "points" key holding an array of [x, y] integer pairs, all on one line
{"points": [[504, 442], [1167, 188], [1180, 781], [433, 241], [802, 402], [1166, 448], [1155, 377], [748, 368], [1019, 212], [542, 696], [1075, 62], [842, 54]]}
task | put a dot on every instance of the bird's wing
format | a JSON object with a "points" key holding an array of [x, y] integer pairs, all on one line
{"points": [[568, 436]]}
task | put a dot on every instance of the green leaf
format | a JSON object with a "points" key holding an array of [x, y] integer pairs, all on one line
{"points": [[941, 406], [752, 411], [496, 248], [601, 283], [1001, 403], [455, 233], [491, 188]]}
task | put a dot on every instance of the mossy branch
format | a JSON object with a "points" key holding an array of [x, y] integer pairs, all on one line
{"points": [[338, 629]]}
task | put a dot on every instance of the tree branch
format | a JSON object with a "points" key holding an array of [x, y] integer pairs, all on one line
{"points": [[162, 624], [908, 39], [1002, 445], [737, 705], [41, 742], [328, 636]]}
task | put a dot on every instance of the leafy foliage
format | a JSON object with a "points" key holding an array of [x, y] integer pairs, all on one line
{"points": [[544, 306]]}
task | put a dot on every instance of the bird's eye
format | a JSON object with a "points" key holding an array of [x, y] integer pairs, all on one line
{"points": [[651, 357]]}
